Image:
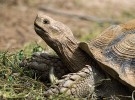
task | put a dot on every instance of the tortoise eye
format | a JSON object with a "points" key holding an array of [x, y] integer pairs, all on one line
{"points": [[46, 21]]}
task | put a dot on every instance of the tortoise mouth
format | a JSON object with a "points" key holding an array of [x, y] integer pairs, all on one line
{"points": [[40, 31]]}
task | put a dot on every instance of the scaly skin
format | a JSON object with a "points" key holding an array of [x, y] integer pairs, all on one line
{"points": [[74, 84], [43, 62], [60, 38], [82, 84]]}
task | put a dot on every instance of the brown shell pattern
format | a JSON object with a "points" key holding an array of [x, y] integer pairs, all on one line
{"points": [[115, 48]]}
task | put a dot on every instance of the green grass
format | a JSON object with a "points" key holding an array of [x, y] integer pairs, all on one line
{"points": [[19, 83], [16, 82]]}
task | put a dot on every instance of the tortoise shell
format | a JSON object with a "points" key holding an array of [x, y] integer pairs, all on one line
{"points": [[114, 50]]}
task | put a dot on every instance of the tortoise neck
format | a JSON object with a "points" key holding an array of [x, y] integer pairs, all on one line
{"points": [[72, 55]]}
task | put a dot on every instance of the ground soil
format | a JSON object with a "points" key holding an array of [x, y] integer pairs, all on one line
{"points": [[17, 17]]}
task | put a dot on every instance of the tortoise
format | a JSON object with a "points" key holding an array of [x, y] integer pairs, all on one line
{"points": [[84, 68]]}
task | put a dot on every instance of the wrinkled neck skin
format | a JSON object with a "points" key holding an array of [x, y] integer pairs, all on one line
{"points": [[71, 54]]}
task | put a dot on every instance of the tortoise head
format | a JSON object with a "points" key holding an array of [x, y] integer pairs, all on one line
{"points": [[54, 33]]}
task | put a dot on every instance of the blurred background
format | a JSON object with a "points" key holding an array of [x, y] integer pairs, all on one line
{"points": [[86, 18]]}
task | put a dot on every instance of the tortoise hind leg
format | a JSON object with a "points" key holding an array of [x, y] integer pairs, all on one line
{"points": [[43, 63]]}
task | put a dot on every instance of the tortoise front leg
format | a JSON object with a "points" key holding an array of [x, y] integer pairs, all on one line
{"points": [[78, 84], [44, 63], [89, 83]]}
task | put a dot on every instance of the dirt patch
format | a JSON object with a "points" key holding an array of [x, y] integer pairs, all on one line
{"points": [[17, 17]]}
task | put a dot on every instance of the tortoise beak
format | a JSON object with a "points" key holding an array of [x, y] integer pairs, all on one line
{"points": [[37, 26], [40, 31]]}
